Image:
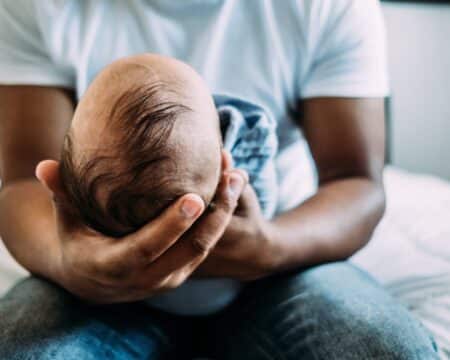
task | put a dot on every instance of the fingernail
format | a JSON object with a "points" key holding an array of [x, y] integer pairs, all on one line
{"points": [[190, 208], [235, 185], [244, 174]]}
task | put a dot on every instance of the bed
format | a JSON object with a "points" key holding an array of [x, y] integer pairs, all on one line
{"points": [[409, 253], [410, 250]]}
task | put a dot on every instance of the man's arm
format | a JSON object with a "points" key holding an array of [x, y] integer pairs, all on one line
{"points": [[346, 137], [33, 121]]}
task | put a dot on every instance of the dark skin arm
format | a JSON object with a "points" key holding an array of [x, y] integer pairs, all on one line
{"points": [[347, 140], [346, 137], [33, 121], [40, 235]]}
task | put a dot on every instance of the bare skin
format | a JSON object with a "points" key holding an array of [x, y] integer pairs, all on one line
{"points": [[95, 268], [346, 137], [198, 158], [347, 141]]}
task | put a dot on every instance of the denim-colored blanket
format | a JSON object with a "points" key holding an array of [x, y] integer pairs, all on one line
{"points": [[249, 134]]}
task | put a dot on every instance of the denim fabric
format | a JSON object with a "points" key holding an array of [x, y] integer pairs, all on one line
{"points": [[330, 312], [249, 134]]}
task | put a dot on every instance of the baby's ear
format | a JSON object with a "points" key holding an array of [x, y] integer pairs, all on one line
{"points": [[47, 172], [227, 160]]}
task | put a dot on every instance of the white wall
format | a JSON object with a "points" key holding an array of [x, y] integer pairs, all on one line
{"points": [[419, 57]]}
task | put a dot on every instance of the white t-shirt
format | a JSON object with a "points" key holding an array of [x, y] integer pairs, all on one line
{"points": [[270, 52]]}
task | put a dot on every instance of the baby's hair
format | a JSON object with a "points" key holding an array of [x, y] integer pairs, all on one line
{"points": [[137, 175]]}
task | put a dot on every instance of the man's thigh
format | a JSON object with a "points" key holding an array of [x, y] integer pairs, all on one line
{"points": [[39, 320], [332, 311]]}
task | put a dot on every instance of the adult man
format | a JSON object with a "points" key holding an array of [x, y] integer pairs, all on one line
{"points": [[316, 66]]}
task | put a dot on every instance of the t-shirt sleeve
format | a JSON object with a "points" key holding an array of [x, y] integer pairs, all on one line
{"points": [[348, 52], [25, 58]]}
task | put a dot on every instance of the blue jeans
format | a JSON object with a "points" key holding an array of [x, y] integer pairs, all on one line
{"points": [[332, 311]]}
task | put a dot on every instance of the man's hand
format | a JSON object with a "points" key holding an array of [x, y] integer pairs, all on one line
{"points": [[346, 138], [245, 251], [157, 258]]}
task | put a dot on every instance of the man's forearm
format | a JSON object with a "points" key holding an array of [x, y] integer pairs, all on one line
{"points": [[330, 226], [27, 226]]}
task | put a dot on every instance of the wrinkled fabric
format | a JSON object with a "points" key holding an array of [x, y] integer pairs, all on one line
{"points": [[271, 53], [329, 312], [249, 134]]}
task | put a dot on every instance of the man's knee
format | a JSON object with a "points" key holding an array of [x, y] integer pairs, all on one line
{"points": [[359, 328], [352, 335], [330, 312], [32, 311], [358, 319], [39, 320], [36, 302]]}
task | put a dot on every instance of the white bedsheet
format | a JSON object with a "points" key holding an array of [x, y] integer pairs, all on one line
{"points": [[410, 250], [409, 253]]}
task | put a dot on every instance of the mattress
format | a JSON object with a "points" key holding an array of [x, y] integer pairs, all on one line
{"points": [[409, 252]]}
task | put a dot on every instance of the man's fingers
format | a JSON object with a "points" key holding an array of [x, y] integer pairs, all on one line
{"points": [[67, 221], [47, 173], [241, 172], [111, 261], [159, 252], [248, 202], [149, 242], [185, 255], [210, 228]]}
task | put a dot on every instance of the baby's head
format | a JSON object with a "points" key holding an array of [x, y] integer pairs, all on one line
{"points": [[145, 132]]}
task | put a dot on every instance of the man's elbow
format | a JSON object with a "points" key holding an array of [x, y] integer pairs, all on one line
{"points": [[376, 198], [380, 203]]}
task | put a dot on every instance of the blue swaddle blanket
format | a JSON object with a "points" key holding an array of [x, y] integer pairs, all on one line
{"points": [[249, 134]]}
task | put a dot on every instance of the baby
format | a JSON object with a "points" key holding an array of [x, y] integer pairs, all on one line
{"points": [[147, 131]]}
